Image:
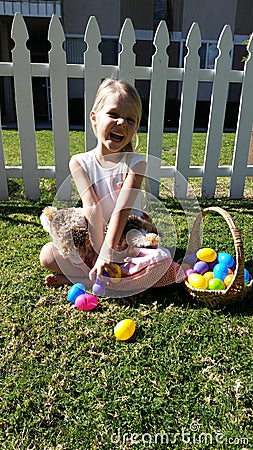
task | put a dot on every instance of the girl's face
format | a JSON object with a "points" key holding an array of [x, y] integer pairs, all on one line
{"points": [[115, 124]]}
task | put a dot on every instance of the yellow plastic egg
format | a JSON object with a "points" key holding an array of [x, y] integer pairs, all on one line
{"points": [[228, 279], [117, 277], [124, 329], [197, 281], [206, 254], [208, 276]]}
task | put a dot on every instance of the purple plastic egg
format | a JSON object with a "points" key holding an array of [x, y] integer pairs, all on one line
{"points": [[201, 267], [98, 288], [190, 259], [212, 264]]}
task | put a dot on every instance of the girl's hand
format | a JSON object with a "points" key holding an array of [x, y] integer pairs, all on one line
{"points": [[102, 266]]}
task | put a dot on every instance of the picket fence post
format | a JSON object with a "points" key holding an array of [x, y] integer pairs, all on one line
{"points": [[24, 108], [92, 67], [158, 89], [92, 71], [217, 113], [126, 59], [187, 111], [244, 127], [4, 195], [59, 105]]}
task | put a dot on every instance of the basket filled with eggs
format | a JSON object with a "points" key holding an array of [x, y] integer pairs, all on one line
{"points": [[215, 277]]}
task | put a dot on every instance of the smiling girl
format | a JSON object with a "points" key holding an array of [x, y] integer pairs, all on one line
{"points": [[108, 179]]}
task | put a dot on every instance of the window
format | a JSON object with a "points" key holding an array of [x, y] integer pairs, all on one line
{"points": [[75, 48], [208, 52]]}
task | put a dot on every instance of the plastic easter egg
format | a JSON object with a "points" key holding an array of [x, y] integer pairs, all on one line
{"points": [[208, 276], [216, 284], [226, 258], [246, 276], [98, 288], [190, 259], [197, 280], [76, 290], [188, 272], [212, 264], [220, 271], [206, 254], [201, 267], [124, 329], [228, 279], [86, 302], [117, 277]]}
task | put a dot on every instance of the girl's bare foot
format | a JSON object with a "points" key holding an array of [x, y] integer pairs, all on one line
{"points": [[56, 279]]}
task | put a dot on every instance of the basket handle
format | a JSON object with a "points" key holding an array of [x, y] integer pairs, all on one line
{"points": [[195, 241]]}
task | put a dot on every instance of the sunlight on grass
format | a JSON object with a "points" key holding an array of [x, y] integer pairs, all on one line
{"points": [[68, 384]]}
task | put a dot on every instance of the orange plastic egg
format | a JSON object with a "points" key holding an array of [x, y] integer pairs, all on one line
{"points": [[228, 279]]}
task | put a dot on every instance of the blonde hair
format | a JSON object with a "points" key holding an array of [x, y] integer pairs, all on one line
{"points": [[126, 91]]}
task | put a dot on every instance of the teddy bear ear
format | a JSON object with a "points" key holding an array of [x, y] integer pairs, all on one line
{"points": [[134, 237], [45, 222]]}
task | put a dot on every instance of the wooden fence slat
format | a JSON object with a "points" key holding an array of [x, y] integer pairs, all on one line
{"points": [[92, 71], [244, 128], [158, 89], [217, 113], [187, 111], [127, 56], [59, 105], [92, 64], [24, 107], [3, 175]]}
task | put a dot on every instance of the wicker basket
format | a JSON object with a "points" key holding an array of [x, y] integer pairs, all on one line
{"points": [[236, 291]]}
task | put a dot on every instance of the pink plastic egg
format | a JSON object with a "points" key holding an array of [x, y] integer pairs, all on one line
{"points": [[86, 302]]}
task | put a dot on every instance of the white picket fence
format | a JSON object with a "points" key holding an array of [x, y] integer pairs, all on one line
{"points": [[92, 71]]}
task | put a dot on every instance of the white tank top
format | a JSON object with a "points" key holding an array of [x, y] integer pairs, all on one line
{"points": [[107, 182]]}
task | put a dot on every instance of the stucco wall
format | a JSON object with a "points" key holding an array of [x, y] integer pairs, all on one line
{"points": [[211, 16]]}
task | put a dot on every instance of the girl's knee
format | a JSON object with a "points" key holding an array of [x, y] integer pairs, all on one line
{"points": [[47, 255]]}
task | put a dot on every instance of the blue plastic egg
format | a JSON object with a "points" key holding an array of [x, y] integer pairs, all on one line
{"points": [[76, 290], [220, 271], [226, 258], [246, 276]]}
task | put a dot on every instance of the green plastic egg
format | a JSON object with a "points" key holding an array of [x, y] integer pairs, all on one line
{"points": [[216, 284]]}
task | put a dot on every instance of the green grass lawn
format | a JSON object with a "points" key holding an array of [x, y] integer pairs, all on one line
{"points": [[184, 381]]}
